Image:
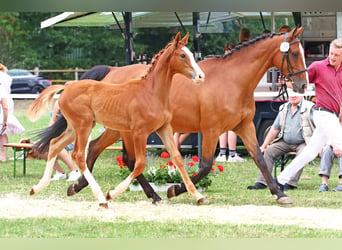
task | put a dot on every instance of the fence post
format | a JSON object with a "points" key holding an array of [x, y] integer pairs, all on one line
{"points": [[36, 71], [76, 74]]}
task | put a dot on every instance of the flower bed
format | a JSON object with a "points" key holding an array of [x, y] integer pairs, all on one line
{"points": [[160, 174]]}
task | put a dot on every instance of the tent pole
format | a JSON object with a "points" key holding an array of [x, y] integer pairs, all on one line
{"points": [[128, 37]]}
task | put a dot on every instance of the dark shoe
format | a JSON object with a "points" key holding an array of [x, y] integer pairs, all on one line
{"points": [[323, 188], [257, 185], [281, 186], [338, 188], [289, 187]]}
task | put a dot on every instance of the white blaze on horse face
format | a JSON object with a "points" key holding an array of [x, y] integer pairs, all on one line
{"points": [[303, 58], [199, 73]]}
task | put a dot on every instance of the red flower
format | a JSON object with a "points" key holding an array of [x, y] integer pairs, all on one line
{"points": [[220, 168], [195, 158], [212, 169], [169, 163], [194, 174], [213, 163], [119, 159], [165, 155], [191, 164]]}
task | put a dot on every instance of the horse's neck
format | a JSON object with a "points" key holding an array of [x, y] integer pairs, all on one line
{"points": [[256, 59], [159, 79]]}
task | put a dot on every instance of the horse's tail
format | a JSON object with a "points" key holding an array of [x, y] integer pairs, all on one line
{"points": [[44, 136], [43, 102], [96, 73]]}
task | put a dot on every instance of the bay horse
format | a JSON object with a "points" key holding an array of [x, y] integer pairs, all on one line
{"points": [[225, 101], [136, 107]]}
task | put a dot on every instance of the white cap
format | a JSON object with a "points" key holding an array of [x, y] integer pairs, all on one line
{"points": [[292, 93]]}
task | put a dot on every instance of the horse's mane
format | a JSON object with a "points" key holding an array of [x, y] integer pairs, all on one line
{"points": [[249, 42], [152, 65]]}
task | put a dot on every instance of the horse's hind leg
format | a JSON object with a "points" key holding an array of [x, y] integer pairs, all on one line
{"points": [[140, 151], [129, 159], [96, 147], [56, 146]]}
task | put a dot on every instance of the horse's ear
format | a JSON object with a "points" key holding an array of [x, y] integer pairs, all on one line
{"points": [[296, 32], [185, 38], [177, 39]]}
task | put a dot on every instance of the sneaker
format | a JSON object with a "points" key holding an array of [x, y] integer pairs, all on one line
{"points": [[221, 158], [236, 158], [323, 188], [338, 188], [74, 175], [58, 176]]}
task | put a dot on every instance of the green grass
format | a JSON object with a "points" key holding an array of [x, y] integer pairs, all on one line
{"points": [[228, 189]]}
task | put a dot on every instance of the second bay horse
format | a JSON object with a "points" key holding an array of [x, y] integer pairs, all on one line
{"points": [[137, 107]]}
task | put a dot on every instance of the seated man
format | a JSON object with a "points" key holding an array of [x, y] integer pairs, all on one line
{"points": [[290, 132], [327, 161]]}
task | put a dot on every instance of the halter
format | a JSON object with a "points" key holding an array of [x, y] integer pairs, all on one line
{"points": [[284, 48]]}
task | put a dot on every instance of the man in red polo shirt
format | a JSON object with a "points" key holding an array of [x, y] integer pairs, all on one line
{"points": [[327, 77]]}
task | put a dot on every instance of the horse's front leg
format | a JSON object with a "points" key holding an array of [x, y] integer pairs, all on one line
{"points": [[208, 150], [139, 138], [166, 135], [96, 147], [248, 136], [56, 146], [129, 159]]}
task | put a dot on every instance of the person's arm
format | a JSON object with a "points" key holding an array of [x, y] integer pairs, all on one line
{"points": [[337, 151], [272, 134]]}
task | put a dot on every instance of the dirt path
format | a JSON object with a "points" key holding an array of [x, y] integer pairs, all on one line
{"points": [[13, 206]]}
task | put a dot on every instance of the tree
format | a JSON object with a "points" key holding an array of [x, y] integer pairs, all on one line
{"points": [[9, 27]]}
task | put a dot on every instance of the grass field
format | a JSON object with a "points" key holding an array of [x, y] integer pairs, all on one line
{"points": [[227, 190]]}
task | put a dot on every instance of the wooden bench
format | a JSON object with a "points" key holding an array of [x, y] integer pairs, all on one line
{"points": [[24, 148], [282, 161]]}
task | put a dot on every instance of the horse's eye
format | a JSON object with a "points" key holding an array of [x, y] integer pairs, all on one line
{"points": [[182, 56]]}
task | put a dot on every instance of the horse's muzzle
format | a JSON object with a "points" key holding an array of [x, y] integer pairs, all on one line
{"points": [[198, 78]]}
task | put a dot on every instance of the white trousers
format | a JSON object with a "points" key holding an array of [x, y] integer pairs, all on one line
{"points": [[328, 131]]}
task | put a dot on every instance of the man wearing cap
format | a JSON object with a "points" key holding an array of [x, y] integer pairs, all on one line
{"points": [[290, 132]]}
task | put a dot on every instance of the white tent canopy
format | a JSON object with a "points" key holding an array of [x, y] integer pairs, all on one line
{"points": [[208, 21]]}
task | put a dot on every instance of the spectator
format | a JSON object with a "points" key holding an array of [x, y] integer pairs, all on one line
{"points": [[327, 160], [4, 118], [63, 155], [290, 132], [245, 35], [13, 126], [180, 138], [327, 77]]}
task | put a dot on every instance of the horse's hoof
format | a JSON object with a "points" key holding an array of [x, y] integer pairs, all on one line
{"points": [[171, 192], [71, 190], [108, 197], [202, 201], [157, 202], [32, 192], [284, 201], [103, 205]]}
